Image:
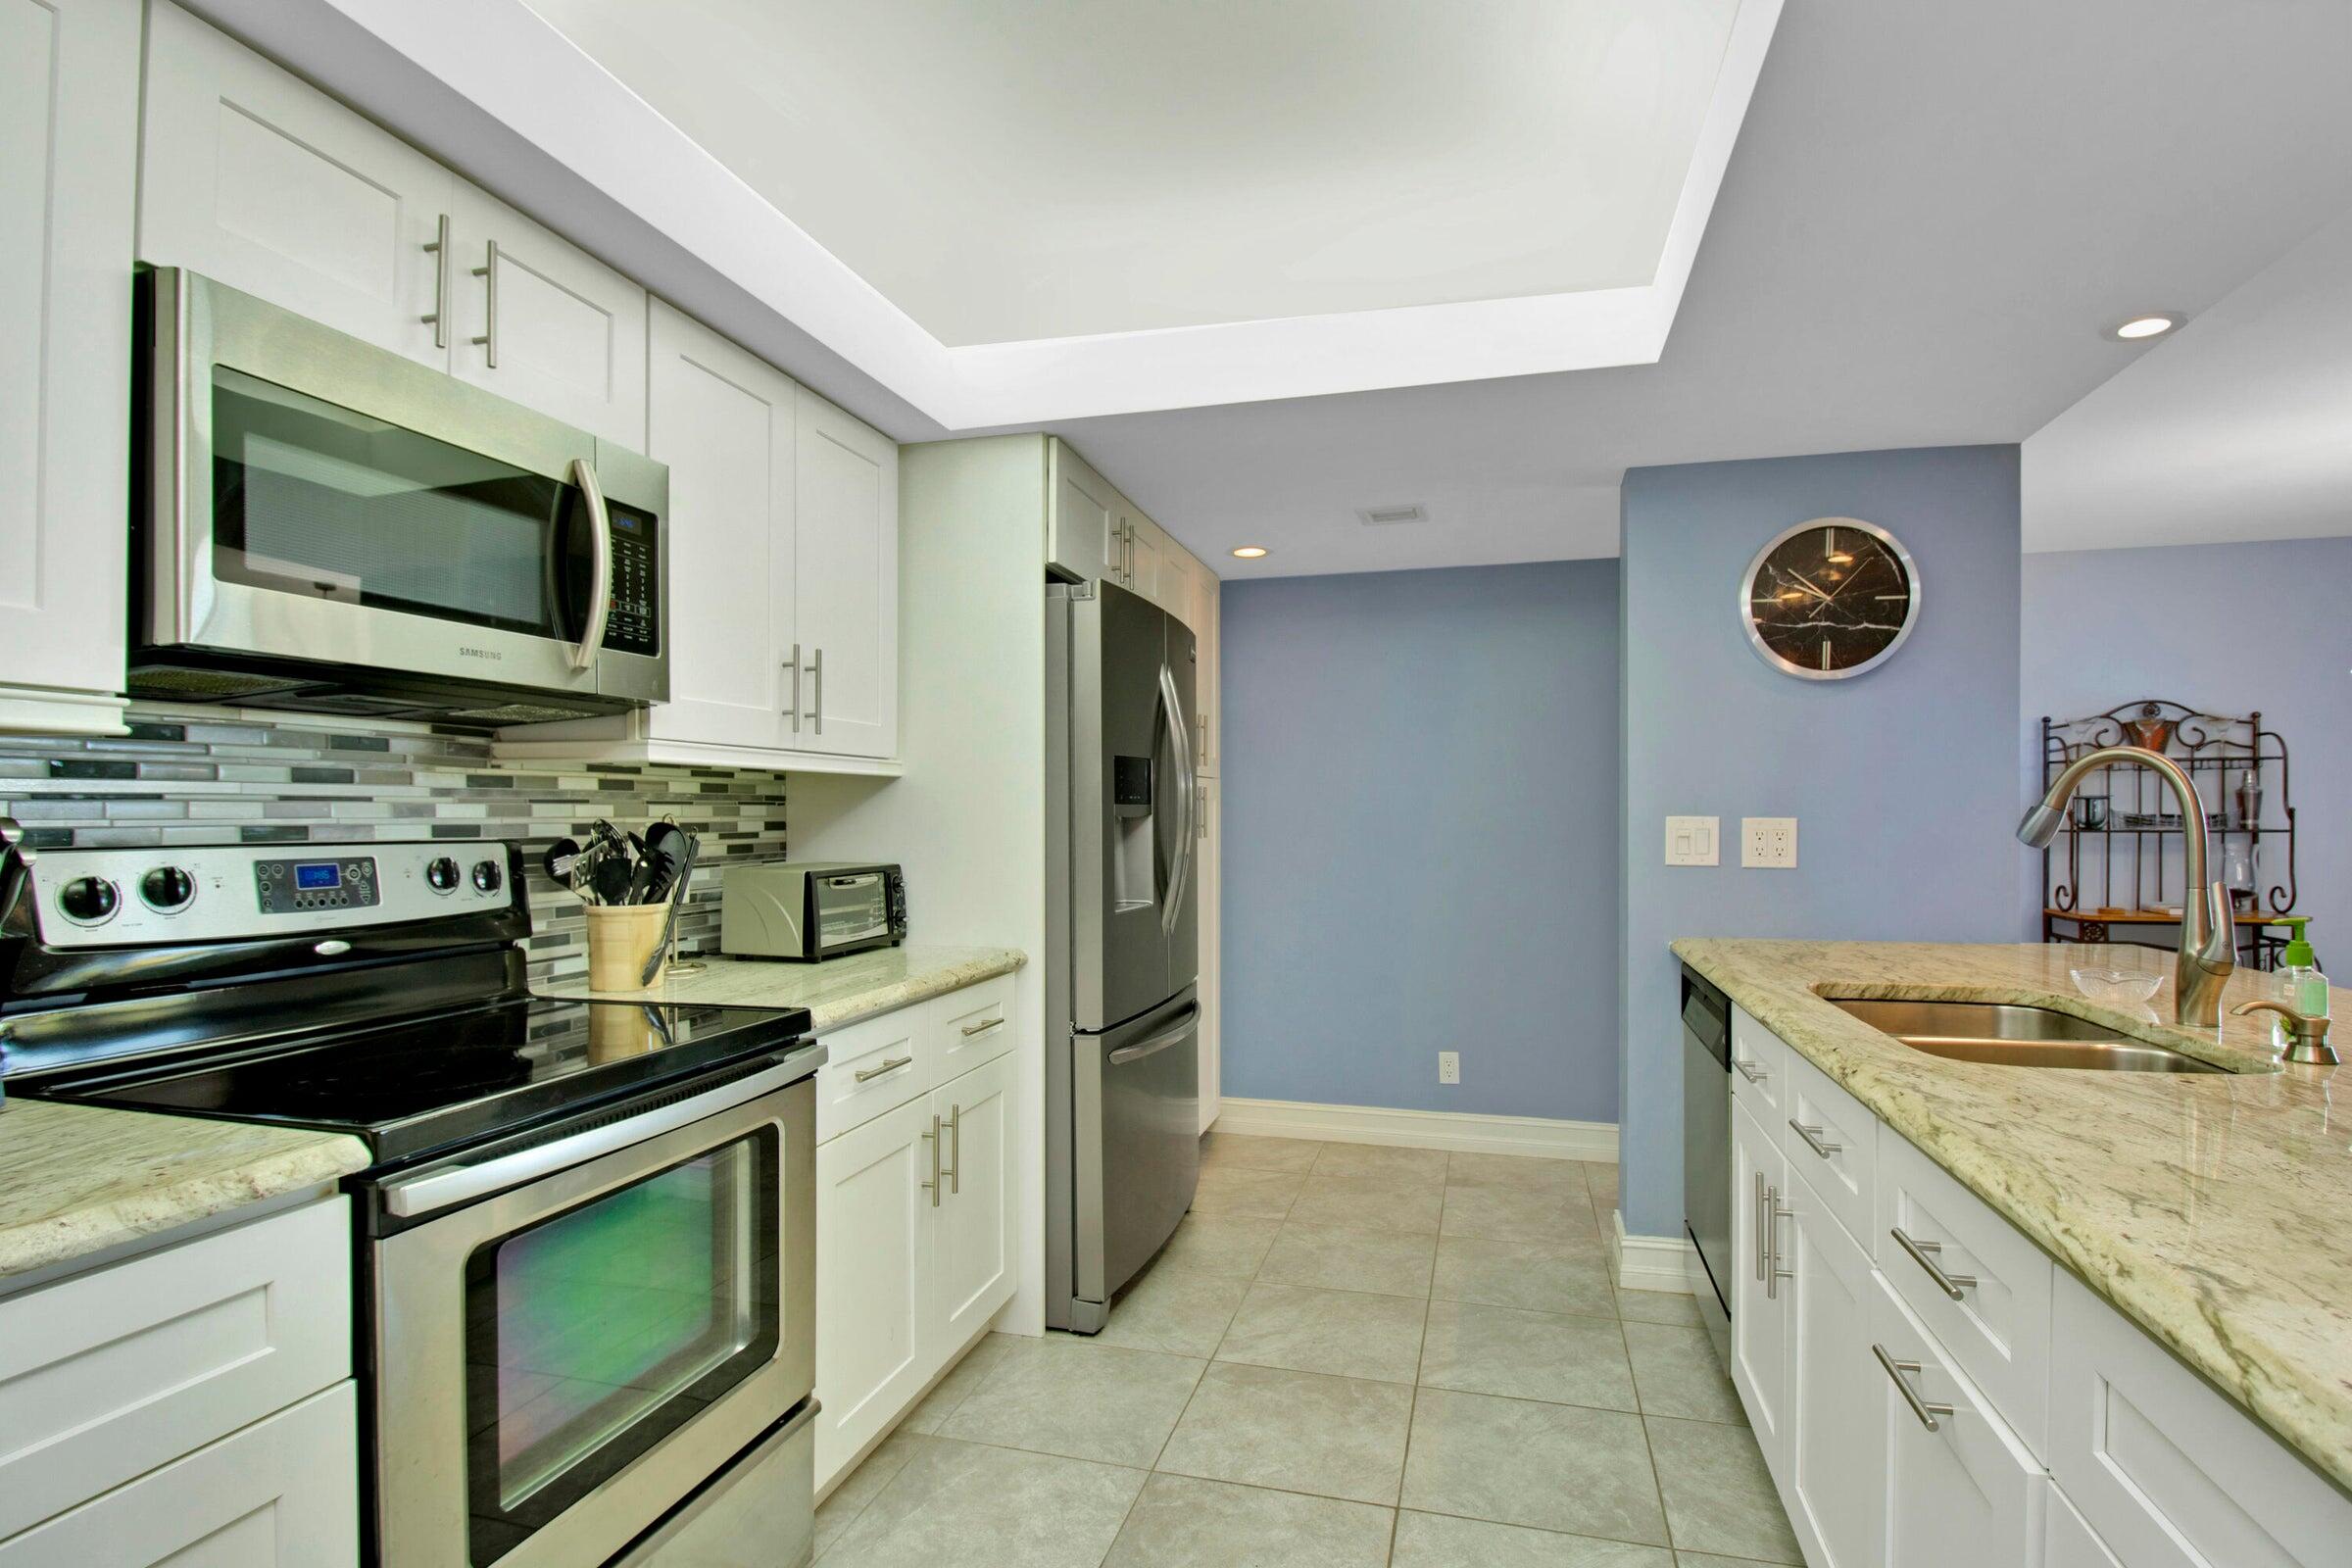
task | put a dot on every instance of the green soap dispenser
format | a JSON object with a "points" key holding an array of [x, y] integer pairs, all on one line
{"points": [[2301, 986]]}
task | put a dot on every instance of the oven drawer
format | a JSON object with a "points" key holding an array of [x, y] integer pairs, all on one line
{"points": [[108, 1374], [282, 1492]]}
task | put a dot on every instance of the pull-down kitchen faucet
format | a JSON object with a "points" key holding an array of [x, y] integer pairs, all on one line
{"points": [[2208, 932]]}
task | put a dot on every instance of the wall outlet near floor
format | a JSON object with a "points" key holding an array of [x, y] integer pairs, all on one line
{"points": [[1690, 840], [1450, 1066], [1769, 842]]}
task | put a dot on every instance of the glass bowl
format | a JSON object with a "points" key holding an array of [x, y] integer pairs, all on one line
{"points": [[2117, 986]]}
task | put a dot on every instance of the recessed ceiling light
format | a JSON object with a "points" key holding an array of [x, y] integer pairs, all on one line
{"points": [[2139, 327], [1250, 552]]}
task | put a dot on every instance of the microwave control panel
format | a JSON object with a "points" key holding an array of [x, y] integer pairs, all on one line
{"points": [[635, 624]]}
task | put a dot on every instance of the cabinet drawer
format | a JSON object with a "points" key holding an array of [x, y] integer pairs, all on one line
{"points": [[108, 1374], [1996, 1317], [1966, 1493], [2068, 1542], [975, 1025], [870, 1067], [283, 1493], [1831, 1139], [2168, 1472], [1759, 1069]]}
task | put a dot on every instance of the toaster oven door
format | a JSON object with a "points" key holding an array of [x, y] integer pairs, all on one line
{"points": [[851, 910]]}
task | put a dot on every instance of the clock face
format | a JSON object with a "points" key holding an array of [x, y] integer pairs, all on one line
{"points": [[1829, 598]]}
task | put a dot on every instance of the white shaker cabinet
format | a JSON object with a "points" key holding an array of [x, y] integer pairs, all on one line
{"points": [[874, 1278], [69, 169], [846, 582], [1083, 536], [1209, 986], [253, 178], [1760, 1299], [973, 1264], [1836, 1461]]}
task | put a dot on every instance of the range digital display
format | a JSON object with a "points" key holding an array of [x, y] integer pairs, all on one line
{"points": [[309, 878]]}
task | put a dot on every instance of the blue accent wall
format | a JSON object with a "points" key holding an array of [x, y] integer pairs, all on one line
{"points": [[1905, 780], [1420, 777], [2229, 629]]}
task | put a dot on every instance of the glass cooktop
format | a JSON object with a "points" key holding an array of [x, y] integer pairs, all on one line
{"points": [[421, 1084]]}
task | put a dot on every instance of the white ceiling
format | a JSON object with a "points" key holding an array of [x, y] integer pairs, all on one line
{"points": [[1039, 169], [2238, 426]]}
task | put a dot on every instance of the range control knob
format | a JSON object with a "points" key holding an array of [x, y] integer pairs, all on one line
{"points": [[167, 887], [486, 875], [441, 875], [88, 899]]}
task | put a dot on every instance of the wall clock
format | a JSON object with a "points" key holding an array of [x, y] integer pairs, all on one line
{"points": [[1830, 599]]}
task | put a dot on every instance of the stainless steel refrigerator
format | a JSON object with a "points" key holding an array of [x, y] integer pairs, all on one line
{"points": [[1122, 1019]]}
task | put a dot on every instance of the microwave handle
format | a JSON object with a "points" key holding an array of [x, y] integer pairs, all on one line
{"points": [[600, 582]]}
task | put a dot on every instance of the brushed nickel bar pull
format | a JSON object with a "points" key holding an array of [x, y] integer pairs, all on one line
{"points": [[817, 690], [983, 1026], [1773, 1213], [866, 1074], [1813, 1139], [1750, 1071], [488, 272], [439, 251], [1920, 1408], [792, 705], [955, 1142], [1925, 1255], [932, 1138], [1759, 1212]]}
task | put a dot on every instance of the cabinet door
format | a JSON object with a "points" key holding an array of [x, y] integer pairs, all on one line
{"points": [[1209, 714], [874, 1278], [972, 1263], [1083, 538], [1759, 1296], [723, 420], [2068, 1542], [1149, 570], [543, 322], [846, 583], [68, 75], [283, 1493], [259, 180], [1965, 1492], [1835, 1483], [1211, 977]]}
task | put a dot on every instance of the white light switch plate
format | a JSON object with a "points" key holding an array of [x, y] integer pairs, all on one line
{"points": [[1769, 842], [1690, 840]]}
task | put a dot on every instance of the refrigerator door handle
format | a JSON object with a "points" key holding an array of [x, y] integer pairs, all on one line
{"points": [[1183, 1027], [1180, 752]]}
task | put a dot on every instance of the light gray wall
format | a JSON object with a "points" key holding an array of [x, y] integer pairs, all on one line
{"points": [[1905, 780], [2229, 629], [1419, 796]]}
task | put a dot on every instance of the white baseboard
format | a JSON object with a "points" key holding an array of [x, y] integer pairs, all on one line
{"points": [[1458, 1132], [1652, 1262]]}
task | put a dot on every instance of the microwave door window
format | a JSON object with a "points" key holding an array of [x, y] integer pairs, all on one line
{"points": [[319, 500]]}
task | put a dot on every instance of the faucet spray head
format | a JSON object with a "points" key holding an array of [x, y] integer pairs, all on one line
{"points": [[2040, 826]]}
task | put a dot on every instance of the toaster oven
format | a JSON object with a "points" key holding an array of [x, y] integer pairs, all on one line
{"points": [[811, 909]]}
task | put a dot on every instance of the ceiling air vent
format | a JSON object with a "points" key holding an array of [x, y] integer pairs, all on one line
{"points": [[1392, 517]]}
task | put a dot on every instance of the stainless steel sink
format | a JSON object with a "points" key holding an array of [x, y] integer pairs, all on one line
{"points": [[2006, 1036]]}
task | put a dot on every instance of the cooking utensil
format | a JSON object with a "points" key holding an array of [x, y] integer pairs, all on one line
{"points": [[561, 860], [669, 922], [665, 846], [611, 877]]}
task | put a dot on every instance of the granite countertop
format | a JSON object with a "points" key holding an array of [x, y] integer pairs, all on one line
{"points": [[836, 992], [2213, 1209], [79, 1179]]}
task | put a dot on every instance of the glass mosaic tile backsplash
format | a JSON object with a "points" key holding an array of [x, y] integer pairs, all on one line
{"points": [[213, 776]]}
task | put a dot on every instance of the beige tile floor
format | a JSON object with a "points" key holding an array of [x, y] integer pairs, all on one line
{"points": [[1348, 1357]]}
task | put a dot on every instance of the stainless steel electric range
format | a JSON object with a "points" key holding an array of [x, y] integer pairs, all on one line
{"points": [[586, 1241]]}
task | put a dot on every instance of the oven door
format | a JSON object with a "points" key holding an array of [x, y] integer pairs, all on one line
{"points": [[558, 1363], [316, 499]]}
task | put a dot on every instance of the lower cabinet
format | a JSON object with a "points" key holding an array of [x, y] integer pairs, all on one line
{"points": [[914, 1238], [1759, 1305], [1834, 1435]]}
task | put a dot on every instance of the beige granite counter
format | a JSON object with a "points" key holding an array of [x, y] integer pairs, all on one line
{"points": [[836, 992], [79, 1178], [2214, 1210]]}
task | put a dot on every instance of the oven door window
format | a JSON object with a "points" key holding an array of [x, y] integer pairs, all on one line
{"points": [[317, 500], [593, 1335]]}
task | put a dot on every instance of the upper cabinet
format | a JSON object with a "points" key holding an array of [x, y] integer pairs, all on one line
{"points": [[69, 169], [783, 574], [256, 180], [1083, 539]]}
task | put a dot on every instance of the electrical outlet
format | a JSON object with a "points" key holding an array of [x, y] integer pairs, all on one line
{"points": [[1690, 840], [1769, 842], [1450, 1066]]}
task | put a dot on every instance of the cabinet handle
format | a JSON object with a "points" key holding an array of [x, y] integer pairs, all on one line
{"points": [[1925, 1254], [792, 705], [1920, 1408], [864, 1074], [932, 1138], [1813, 1139], [439, 251], [816, 690], [488, 272], [1774, 1212], [1750, 1071], [983, 1026], [1201, 720], [955, 1139], [1760, 1212], [1202, 835]]}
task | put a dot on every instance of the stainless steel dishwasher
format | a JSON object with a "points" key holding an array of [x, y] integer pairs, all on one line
{"points": [[1707, 1143]]}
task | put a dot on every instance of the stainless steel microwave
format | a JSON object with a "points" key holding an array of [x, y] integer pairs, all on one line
{"points": [[327, 525]]}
